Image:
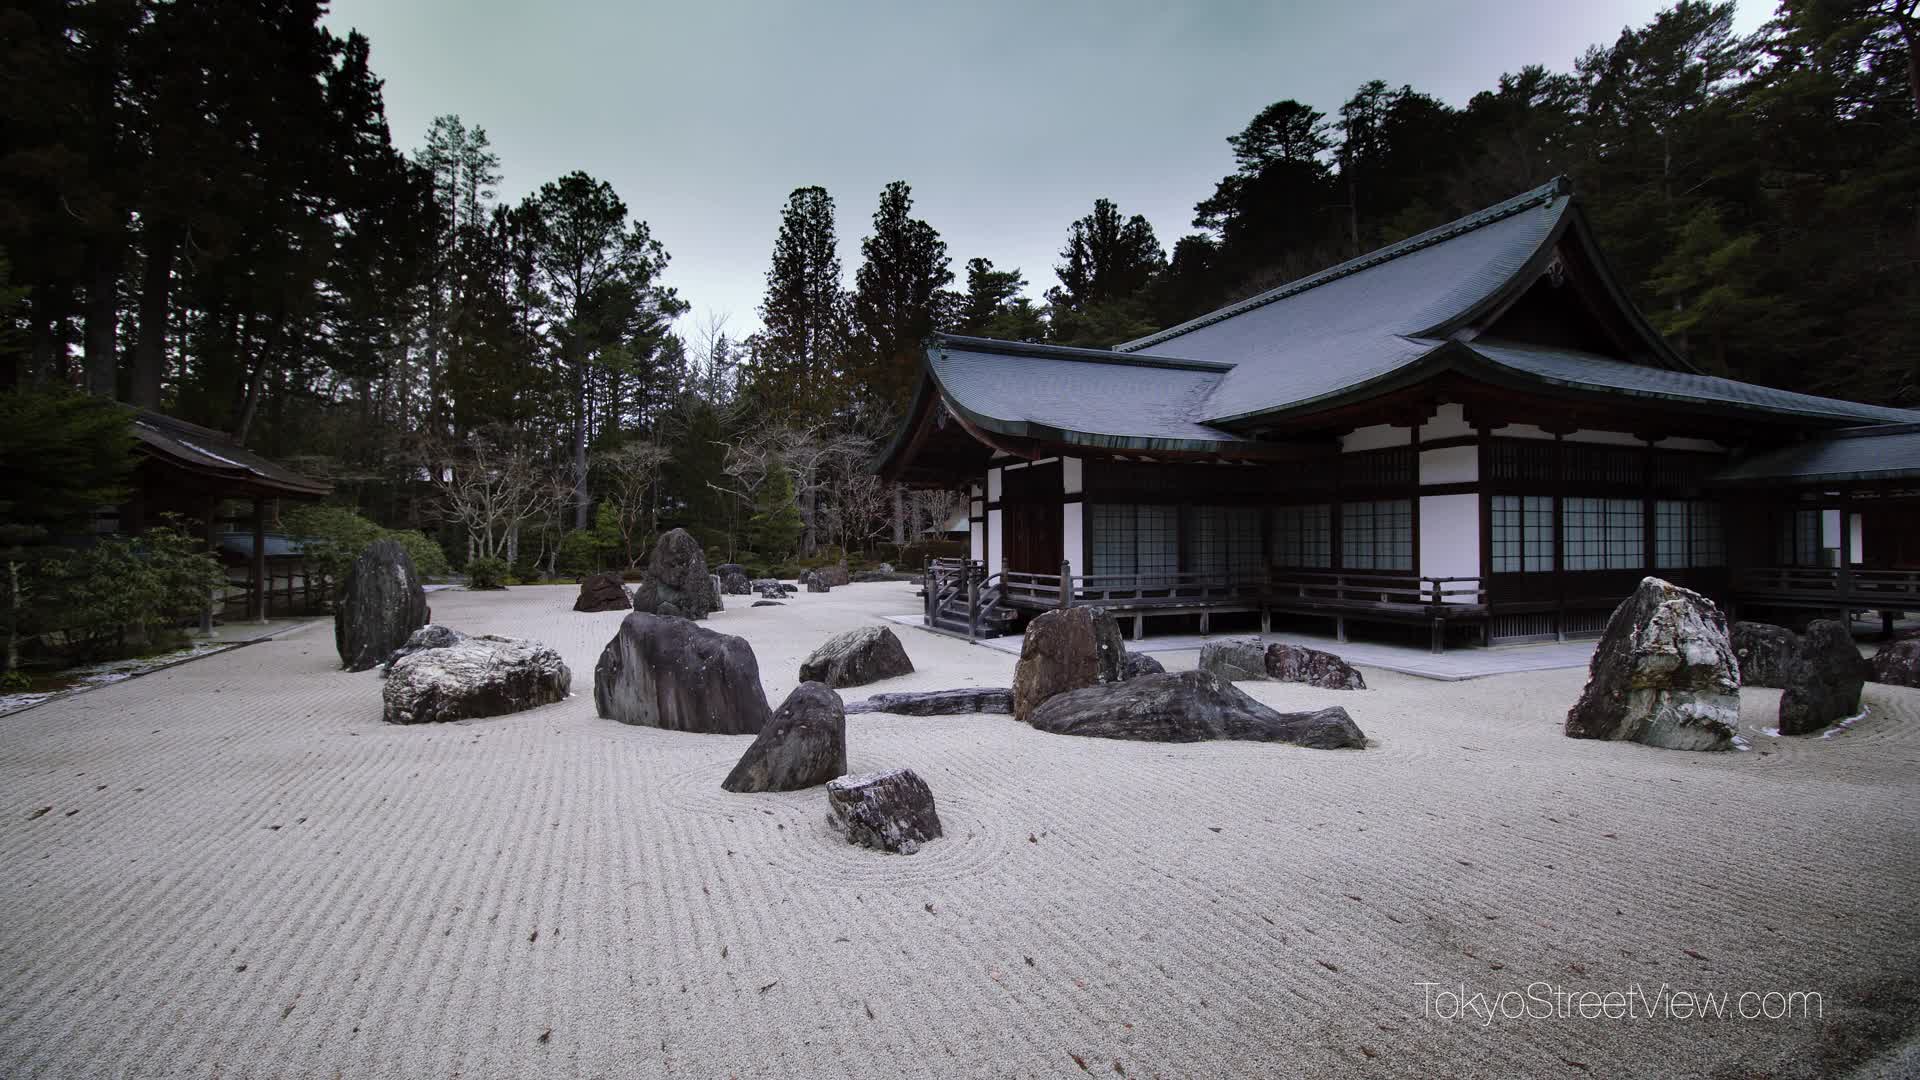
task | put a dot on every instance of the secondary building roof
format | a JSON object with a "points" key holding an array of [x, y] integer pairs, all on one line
{"points": [[218, 463], [1889, 452]]}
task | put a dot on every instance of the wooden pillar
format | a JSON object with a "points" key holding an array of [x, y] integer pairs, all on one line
{"points": [[211, 526], [259, 576]]}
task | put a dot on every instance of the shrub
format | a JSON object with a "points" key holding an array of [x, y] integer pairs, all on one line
{"points": [[331, 537], [127, 595], [487, 572]]}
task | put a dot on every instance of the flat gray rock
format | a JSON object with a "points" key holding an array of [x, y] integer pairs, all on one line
{"points": [[1190, 706], [972, 699]]}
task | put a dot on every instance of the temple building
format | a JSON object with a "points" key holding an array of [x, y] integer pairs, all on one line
{"points": [[1471, 434]]}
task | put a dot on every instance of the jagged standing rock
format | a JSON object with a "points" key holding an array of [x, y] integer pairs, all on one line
{"points": [[471, 678], [670, 673], [735, 583], [857, 657], [603, 592], [803, 744], [889, 811], [381, 604], [1824, 684], [1663, 674], [1766, 653], [1065, 649], [677, 574]]}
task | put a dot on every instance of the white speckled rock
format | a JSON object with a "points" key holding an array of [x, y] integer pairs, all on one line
{"points": [[473, 677], [891, 810], [1663, 674]]}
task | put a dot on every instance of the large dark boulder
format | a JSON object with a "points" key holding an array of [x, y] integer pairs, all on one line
{"points": [[602, 592], [833, 576], [1898, 663], [971, 699], [473, 677], [1766, 653], [1297, 663], [381, 603], [1234, 661], [1138, 664], [805, 743], [1189, 706], [726, 568], [1663, 674], [735, 583], [430, 636], [1066, 649], [890, 811], [669, 673], [1825, 682], [857, 657], [677, 574]]}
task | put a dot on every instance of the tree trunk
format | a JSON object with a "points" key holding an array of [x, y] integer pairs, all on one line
{"points": [[105, 255], [256, 386], [156, 289], [899, 516], [47, 343], [580, 449]]}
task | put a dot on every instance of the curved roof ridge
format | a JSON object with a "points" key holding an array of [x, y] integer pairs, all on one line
{"points": [[1557, 187], [1072, 352]]}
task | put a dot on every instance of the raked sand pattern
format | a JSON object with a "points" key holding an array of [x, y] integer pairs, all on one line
{"points": [[244, 873]]}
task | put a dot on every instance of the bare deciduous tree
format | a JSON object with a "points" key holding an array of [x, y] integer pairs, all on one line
{"points": [[628, 476], [492, 485]]}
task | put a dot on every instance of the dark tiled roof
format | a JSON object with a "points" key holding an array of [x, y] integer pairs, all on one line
{"points": [[1089, 397], [1349, 324], [1386, 319], [1586, 371], [1886, 452], [214, 455]]}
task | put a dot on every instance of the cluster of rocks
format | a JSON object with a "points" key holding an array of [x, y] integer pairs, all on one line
{"points": [[1821, 672], [667, 672], [381, 603], [676, 581], [1664, 674], [1244, 661], [825, 578], [773, 588], [1075, 677], [441, 674], [734, 580]]}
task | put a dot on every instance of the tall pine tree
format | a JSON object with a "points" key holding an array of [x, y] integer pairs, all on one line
{"points": [[896, 301]]}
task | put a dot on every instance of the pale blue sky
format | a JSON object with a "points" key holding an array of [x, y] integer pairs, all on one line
{"points": [[1008, 117]]}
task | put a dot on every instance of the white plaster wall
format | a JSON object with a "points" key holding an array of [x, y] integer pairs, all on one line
{"points": [[1857, 543], [996, 553], [1450, 538], [1073, 536], [1449, 421], [1072, 476], [977, 541], [1375, 437], [1609, 438], [1522, 431], [1830, 529], [1450, 465], [993, 485]]}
